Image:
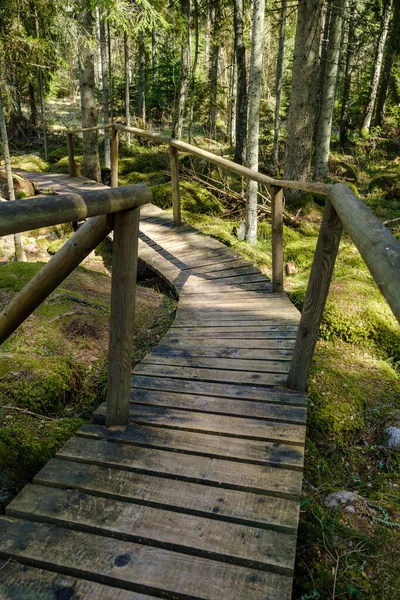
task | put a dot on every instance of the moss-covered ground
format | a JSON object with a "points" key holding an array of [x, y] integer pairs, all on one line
{"points": [[354, 386], [53, 368]]}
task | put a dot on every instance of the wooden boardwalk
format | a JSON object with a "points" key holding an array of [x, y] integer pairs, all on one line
{"points": [[199, 497]]}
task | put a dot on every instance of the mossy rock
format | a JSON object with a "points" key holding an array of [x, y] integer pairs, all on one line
{"points": [[42, 385], [62, 165], [343, 169], [150, 179], [29, 162], [147, 160], [55, 246], [194, 198], [389, 184], [57, 154]]}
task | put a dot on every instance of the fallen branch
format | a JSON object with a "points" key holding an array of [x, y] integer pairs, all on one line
{"points": [[27, 412]]}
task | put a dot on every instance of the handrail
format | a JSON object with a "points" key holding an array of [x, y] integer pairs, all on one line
{"points": [[116, 209], [377, 246], [25, 215]]}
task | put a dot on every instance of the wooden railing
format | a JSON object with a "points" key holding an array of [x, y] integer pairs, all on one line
{"points": [[378, 247], [109, 209]]}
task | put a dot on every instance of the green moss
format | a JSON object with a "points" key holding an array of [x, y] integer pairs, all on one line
{"points": [[194, 198], [389, 184], [29, 162], [14, 276], [57, 154], [55, 246], [43, 385], [62, 165], [146, 160], [151, 179]]}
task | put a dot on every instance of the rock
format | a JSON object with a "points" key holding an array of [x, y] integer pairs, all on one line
{"points": [[392, 437], [241, 231], [342, 498], [290, 268], [31, 248], [23, 187], [350, 509]]}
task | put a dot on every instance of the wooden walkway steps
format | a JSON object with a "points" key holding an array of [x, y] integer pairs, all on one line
{"points": [[198, 498]]}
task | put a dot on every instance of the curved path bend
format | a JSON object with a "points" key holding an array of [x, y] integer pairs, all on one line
{"points": [[198, 498]]}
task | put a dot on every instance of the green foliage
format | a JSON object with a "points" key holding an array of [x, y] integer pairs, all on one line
{"points": [[57, 154], [55, 246], [29, 162], [194, 198]]}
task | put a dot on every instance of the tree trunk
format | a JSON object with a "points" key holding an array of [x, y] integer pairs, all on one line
{"points": [[104, 91], [184, 77], [326, 13], [278, 83], [257, 31], [91, 163], [393, 49], [377, 69], [19, 251], [41, 93], [32, 105], [194, 69], [302, 96], [154, 41], [207, 44], [110, 74], [232, 100], [213, 89], [351, 38], [126, 85], [142, 79], [329, 91], [241, 87]]}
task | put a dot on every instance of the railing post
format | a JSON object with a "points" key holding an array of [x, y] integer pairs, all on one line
{"points": [[176, 195], [71, 159], [114, 157], [277, 238], [123, 291], [316, 295]]}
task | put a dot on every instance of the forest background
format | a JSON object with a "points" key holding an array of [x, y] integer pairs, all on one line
{"points": [[301, 90]]}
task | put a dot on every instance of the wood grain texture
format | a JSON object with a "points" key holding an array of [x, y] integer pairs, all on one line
{"points": [[277, 238], [316, 295], [134, 566], [123, 292], [114, 157]]}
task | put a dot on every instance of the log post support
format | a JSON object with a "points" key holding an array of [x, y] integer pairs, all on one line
{"points": [[123, 291], [73, 171], [114, 157], [317, 292], [176, 195], [277, 238]]}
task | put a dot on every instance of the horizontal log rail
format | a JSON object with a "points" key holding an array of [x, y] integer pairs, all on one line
{"points": [[378, 247], [108, 209]]}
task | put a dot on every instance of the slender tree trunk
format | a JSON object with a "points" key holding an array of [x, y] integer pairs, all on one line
{"points": [[302, 96], [232, 100], [326, 13], [213, 89], [126, 85], [329, 91], [91, 163], [207, 45], [19, 251], [110, 74], [41, 93], [104, 91], [393, 49], [194, 68], [278, 82], [184, 77], [154, 42], [142, 79], [351, 38], [256, 57], [377, 69], [32, 105], [241, 88]]}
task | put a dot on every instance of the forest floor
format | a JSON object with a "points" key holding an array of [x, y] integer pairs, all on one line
{"points": [[354, 391]]}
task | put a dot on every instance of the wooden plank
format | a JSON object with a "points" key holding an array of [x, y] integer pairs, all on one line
{"points": [[212, 375], [198, 469], [204, 288], [280, 514], [212, 404], [159, 528], [114, 157], [224, 425], [188, 349], [250, 451], [283, 319], [220, 390], [18, 581], [277, 238], [224, 333], [236, 264], [230, 364], [264, 342], [216, 278], [133, 566]]}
